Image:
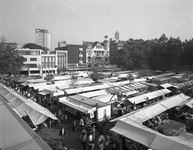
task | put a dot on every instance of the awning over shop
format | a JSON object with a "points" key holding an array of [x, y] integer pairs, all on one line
{"points": [[36, 112], [15, 133], [152, 138]]}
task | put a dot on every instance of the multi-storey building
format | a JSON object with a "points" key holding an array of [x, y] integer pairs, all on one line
{"points": [[42, 37], [42, 62], [97, 53], [76, 54]]}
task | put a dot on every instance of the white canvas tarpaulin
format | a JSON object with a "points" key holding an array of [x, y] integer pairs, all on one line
{"points": [[25, 107], [157, 93], [174, 101], [146, 114], [15, 133], [149, 96], [151, 111], [166, 85], [152, 138], [154, 110], [106, 98], [95, 93], [77, 105]]}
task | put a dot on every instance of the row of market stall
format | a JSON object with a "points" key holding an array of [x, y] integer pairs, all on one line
{"points": [[131, 125]]}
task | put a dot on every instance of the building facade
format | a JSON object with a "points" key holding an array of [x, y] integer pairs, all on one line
{"points": [[97, 53], [42, 37], [76, 54], [38, 62]]}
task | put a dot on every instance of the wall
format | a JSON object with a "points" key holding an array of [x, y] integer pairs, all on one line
{"points": [[101, 112]]}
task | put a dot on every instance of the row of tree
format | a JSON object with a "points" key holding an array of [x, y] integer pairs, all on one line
{"points": [[156, 54]]}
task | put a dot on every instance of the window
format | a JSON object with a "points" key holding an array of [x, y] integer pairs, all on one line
{"points": [[25, 59], [33, 59]]}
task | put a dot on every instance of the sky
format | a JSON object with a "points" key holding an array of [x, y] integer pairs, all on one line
{"points": [[75, 21]]}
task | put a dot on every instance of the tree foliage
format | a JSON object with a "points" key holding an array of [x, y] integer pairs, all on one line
{"points": [[95, 76], [35, 46], [74, 81], [157, 54], [10, 61]]}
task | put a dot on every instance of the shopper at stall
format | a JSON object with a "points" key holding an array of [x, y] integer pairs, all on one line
{"points": [[62, 133], [83, 140]]}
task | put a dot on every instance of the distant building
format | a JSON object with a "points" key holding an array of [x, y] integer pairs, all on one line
{"points": [[97, 53], [115, 45], [76, 54], [41, 62], [42, 37], [117, 36]]}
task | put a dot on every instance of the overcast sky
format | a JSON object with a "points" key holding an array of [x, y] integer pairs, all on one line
{"points": [[75, 21]]}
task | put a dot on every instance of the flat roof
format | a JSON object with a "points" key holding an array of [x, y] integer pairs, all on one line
{"points": [[88, 101]]}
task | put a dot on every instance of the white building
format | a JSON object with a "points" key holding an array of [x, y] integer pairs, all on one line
{"points": [[42, 37], [38, 62], [97, 53]]}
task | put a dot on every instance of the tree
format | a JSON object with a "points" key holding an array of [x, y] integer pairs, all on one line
{"points": [[35, 46], [95, 76], [10, 61], [49, 77], [74, 81]]}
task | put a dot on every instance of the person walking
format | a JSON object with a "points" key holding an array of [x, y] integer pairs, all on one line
{"points": [[83, 140], [93, 132], [63, 133]]}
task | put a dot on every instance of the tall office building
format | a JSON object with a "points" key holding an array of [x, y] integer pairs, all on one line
{"points": [[42, 38]]}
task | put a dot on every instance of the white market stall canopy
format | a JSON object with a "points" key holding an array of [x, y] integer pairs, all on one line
{"points": [[81, 103], [106, 98], [127, 89], [94, 93], [156, 109], [149, 96], [24, 107], [152, 138], [86, 89], [151, 111], [166, 85], [15, 133]]}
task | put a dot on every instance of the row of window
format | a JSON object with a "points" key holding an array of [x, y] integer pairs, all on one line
{"points": [[48, 58], [48, 64]]}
